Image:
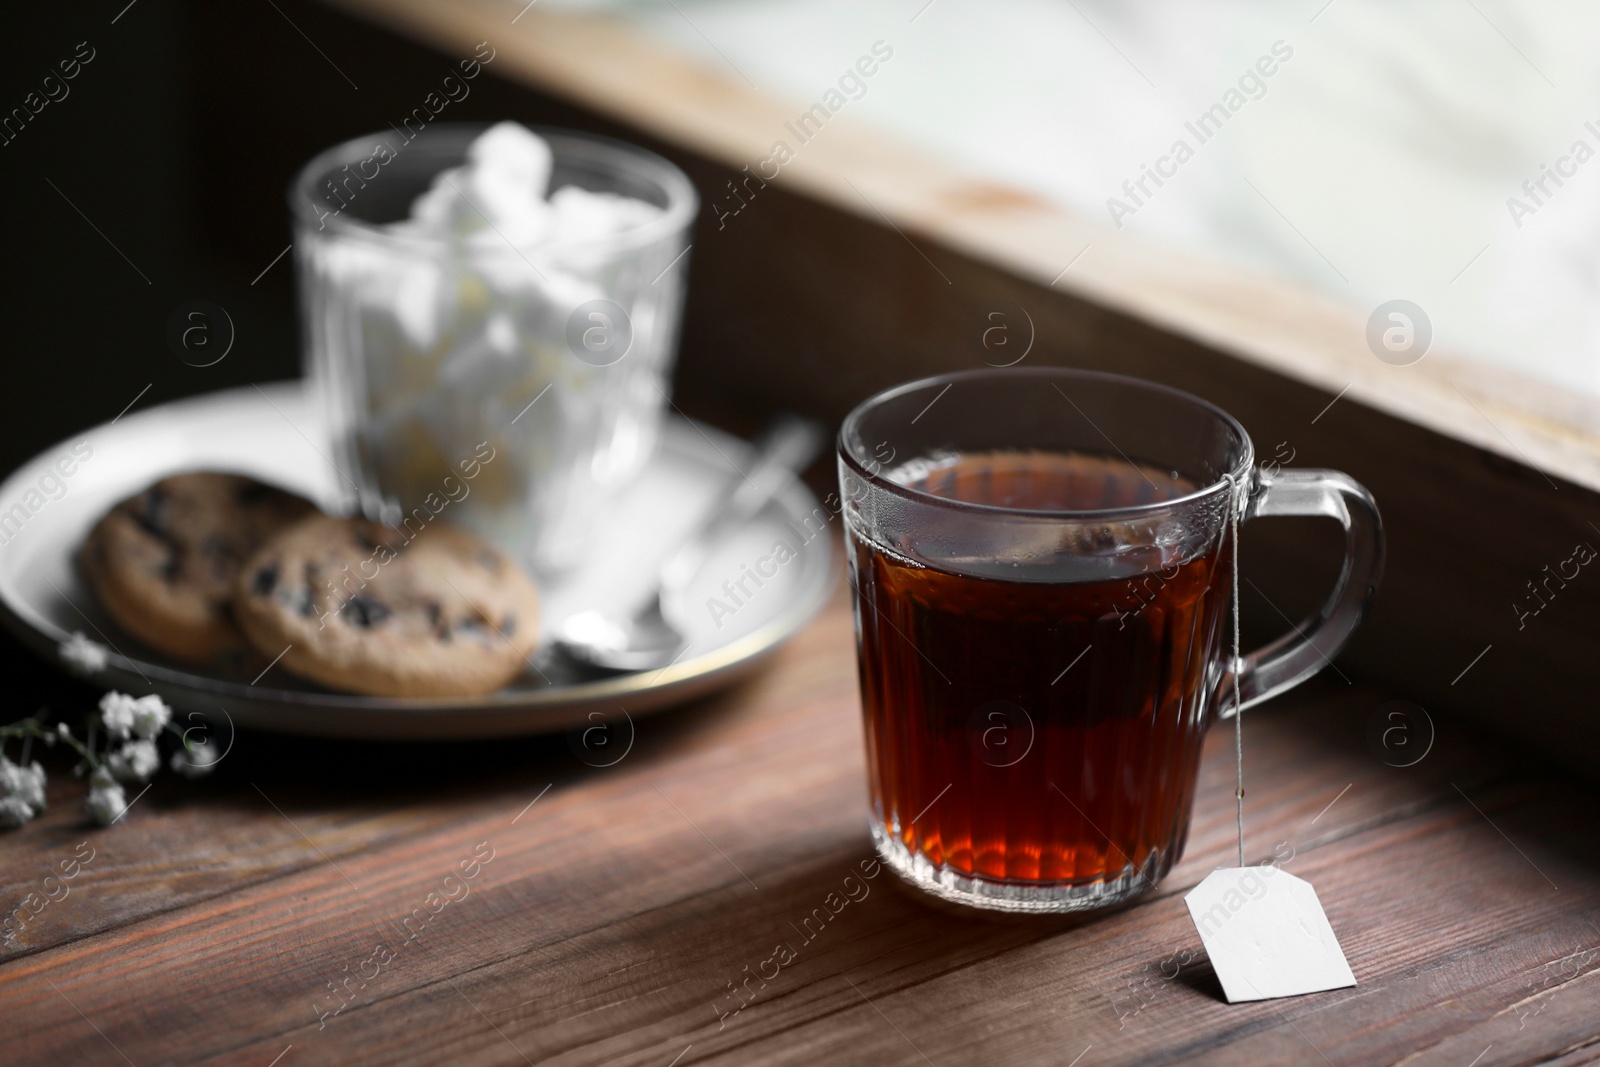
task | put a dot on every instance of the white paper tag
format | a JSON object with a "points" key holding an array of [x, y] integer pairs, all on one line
{"points": [[1266, 934]]}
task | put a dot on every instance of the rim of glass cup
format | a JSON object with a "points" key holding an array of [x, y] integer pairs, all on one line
{"points": [[852, 448], [682, 199]]}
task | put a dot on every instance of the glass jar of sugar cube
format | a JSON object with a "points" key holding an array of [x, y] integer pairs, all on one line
{"points": [[490, 317]]}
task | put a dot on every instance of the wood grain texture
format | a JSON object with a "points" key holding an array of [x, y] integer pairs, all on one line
{"points": [[618, 909]]}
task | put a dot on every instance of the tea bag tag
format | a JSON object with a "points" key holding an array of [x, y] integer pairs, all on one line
{"points": [[1266, 934]]}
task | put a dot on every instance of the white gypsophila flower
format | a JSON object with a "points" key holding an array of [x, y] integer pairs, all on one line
{"points": [[105, 804], [135, 761], [195, 763], [150, 716], [14, 811], [10, 777], [116, 713], [30, 788], [82, 655], [23, 784], [100, 778]]}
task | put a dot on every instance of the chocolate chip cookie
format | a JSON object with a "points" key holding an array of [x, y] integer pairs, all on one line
{"points": [[389, 611], [164, 562]]}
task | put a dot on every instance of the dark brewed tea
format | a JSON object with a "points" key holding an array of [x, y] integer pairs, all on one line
{"points": [[1037, 723]]}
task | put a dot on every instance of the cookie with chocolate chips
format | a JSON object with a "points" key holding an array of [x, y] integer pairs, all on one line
{"points": [[164, 562], [374, 609]]}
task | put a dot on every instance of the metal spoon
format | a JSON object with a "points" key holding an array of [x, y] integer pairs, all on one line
{"points": [[647, 640]]}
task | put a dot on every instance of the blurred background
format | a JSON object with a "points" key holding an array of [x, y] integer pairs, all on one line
{"points": [[159, 178], [1378, 160], [1384, 157]]}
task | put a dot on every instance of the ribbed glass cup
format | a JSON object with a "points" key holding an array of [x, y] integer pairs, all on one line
{"points": [[541, 369]]}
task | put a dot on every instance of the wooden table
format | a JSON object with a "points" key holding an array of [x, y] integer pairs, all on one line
{"points": [[612, 911]]}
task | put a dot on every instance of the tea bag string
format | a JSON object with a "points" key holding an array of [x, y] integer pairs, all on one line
{"points": [[1238, 716]]}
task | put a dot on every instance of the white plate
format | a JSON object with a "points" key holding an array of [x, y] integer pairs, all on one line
{"points": [[269, 432]]}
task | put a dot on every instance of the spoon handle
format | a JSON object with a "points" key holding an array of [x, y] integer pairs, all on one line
{"points": [[786, 446]]}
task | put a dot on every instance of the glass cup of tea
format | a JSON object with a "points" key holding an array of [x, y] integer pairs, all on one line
{"points": [[1043, 565]]}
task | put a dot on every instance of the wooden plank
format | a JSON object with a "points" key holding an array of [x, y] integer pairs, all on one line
{"points": [[179, 844], [615, 912]]}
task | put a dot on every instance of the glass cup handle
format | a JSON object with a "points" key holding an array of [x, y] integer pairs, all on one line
{"points": [[1298, 655]]}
